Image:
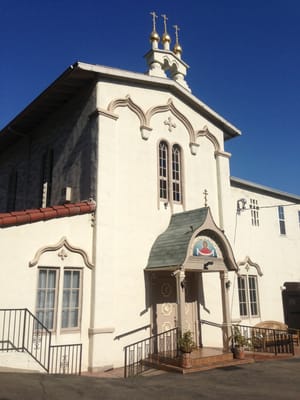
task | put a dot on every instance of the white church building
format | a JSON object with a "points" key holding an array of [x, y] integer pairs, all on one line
{"points": [[120, 220]]}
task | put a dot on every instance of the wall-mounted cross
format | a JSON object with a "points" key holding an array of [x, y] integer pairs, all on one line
{"points": [[62, 254], [205, 197], [170, 124]]}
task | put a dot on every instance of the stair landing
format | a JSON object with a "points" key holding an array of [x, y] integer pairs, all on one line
{"points": [[202, 359]]}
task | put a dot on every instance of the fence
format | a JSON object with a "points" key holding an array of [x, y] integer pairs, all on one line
{"points": [[265, 340], [21, 331], [161, 347]]}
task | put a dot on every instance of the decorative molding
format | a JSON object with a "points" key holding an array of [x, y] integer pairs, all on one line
{"points": [[63, 243], [247, 263], [145, 132], [224, 154], [62, 254], [194, 148], [212, 231], [166, 309], [171, 108], [127, 102], [206, 133], [100, 331], [105, 113], [145, 118]]}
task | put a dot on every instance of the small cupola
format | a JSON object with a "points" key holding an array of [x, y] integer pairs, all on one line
{"points": [[164, 62]]}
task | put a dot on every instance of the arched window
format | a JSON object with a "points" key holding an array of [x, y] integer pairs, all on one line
{"points": [[170, 172], [163, 171], [176, 174]]}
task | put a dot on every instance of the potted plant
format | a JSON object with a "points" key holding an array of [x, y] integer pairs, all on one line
{"points": [[239, 342], [186, 345]]}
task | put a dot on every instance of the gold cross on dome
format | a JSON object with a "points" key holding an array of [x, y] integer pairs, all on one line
{"points": [[170, 124], [154, 17], [176, 27], [165, 18]]}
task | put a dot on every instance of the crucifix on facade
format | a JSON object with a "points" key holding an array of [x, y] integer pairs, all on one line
{"points": [[170, 124], [205, 197]]}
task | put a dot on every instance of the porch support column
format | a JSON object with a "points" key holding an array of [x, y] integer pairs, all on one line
{"points": [[225, 308], [180, 289]]}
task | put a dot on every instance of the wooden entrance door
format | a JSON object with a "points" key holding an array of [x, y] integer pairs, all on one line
{"points": [[164, 303], [163, 299]]}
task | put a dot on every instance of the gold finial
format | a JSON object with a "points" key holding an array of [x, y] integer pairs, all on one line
{"points": [[165, 37], [154, 37], [177, 48], [205, 197]]}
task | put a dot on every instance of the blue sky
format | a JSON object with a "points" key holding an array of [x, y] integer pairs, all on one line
{"points": [[244, 59]]}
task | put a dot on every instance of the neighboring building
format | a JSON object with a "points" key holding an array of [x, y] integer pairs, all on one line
{"points": [[132, 223]]}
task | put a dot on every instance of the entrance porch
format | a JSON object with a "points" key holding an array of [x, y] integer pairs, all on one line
{"points": [[183, 269]]}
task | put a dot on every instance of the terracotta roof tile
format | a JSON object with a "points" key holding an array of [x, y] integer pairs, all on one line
{"points": [[43, 214]]}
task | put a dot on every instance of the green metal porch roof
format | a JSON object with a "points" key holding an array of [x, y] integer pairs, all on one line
{"points": [[170, 248]]}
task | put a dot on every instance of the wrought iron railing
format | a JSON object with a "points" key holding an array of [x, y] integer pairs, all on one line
{"points": [[263, 340], [266, 340], [139, 355], [21, 331], [65, 359]]}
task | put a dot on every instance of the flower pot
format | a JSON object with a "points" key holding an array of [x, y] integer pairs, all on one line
{"points": [[186, 360], [239, 353]]}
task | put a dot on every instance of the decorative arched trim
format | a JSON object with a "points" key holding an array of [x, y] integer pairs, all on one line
{"points": [[210, 229], [62, 243], [105, 113], [170, 107], [224, 154], [173, 248], [206, 133], [248, 262], [127, 102]]}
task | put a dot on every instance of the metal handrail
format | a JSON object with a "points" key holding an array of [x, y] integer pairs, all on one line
{"points": [[20, 330], [266, 340], [160, 347]]}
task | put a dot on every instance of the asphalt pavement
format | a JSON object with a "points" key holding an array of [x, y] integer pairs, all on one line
{"points": [[272, 380]]}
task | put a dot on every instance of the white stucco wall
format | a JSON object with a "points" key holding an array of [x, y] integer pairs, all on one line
{"points": [[129, 214], [277, 255], [19, 280]]}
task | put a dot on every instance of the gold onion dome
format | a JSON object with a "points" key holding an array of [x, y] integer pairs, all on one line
{"points": [[177, 49], [166, 38], [154, 36]]}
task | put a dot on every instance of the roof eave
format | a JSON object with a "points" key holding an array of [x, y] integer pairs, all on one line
{"points": [[91, 72]]}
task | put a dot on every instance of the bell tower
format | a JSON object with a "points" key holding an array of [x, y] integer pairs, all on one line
{"points": [[165, 61]]}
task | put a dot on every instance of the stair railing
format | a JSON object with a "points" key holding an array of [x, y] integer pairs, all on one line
{"points": [[21, 331], [160, 347]]}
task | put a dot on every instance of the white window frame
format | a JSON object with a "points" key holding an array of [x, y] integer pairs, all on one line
{"points": [[254, 212], [60, 305], [43, 294], [281, 217], [170, 170], [69, 293], [163, 166], [248, 296]]}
